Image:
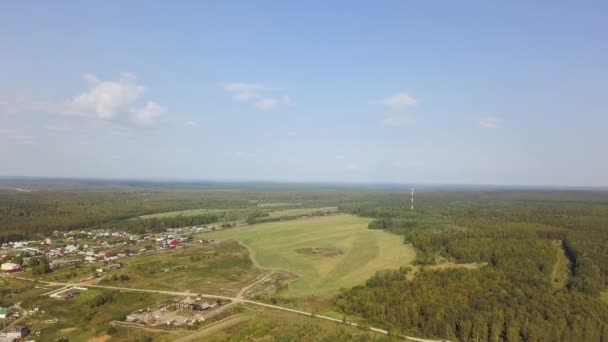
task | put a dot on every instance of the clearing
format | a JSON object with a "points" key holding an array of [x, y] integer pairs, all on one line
{"points": [[561, 269], [275, 245], [189, 212], [219, 269], [302, 211]]}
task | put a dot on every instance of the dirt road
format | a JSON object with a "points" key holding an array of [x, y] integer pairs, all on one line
{"points": [[235, 300]]}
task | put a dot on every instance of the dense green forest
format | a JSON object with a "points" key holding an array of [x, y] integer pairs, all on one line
{"points": [[511, 298]]}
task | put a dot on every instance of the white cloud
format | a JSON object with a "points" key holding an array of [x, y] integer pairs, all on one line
{"points": [[106, 99], [191, 123], [399, 101], [148, 114], [488, 122], [396, 120], [266, 103], [91, 79], [256, 94], [243, 92]]}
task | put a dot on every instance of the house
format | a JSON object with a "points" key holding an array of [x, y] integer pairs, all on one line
{"points": [[113, 266], [14, 333], [9, 266], [174, 243], [4, 312], [71, 248], [111, 256], [55, 264]]}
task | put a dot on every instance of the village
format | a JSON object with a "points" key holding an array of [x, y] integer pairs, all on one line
{"points": [[103, 251], [71, 248]]}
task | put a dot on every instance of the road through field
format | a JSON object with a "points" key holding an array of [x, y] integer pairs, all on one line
{"points": [[235, 300]]}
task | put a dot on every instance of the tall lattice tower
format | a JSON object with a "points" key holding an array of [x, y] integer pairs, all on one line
{"points": [[412, 203]]}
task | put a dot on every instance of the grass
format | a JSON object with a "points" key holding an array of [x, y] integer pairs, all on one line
{"points": [[365, 251], [81, 318], [216, 269], [271, 325], [276, 204], [189, 212], [561, 268], [604, 296], [301, 211]]}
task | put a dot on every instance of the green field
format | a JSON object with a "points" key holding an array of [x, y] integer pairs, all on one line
{"points": [[364, 251], [218, 269], [604, 296], [189, 212], [277, 204], [301, 211]]}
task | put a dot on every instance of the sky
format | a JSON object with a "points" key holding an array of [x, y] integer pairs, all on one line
{"points": [[443, 92]]}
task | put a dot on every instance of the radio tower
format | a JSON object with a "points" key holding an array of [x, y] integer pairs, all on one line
{"points": [[413, 188]]}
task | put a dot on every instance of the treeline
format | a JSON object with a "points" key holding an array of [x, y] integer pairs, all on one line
{"points": [[509, 299], [160, 224], [264, 217], [70, 206], [481, 305]]}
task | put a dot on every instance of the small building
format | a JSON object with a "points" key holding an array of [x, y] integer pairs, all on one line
{"points": [[89, 258], [4, 312], [55, 264], [10, 266], [14, 333], [71, 248]]}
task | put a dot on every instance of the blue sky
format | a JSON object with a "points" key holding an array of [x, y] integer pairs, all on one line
{"points": [[391, 91]]}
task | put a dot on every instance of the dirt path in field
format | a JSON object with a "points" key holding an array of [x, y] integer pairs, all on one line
{"points": [[213, 328], [234, 300], [244, 289]]}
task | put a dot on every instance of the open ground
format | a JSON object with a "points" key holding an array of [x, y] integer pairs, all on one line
{"points": [[275, 246]]}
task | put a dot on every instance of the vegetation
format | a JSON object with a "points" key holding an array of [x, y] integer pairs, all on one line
{"points": [[536, 261], [513, 297], [220, 269], [276, 245]]}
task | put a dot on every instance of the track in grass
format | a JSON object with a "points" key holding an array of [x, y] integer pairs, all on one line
{"points": [[278, 245]]}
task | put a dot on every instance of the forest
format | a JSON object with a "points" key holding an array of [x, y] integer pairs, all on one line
{"points": [[511, 298]]}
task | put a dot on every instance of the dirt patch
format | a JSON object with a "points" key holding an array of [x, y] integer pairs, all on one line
{"points": [[448, 265], [102, 338], [279, 280], [322, 252]]}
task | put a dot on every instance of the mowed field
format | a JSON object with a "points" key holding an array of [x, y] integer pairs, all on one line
{"points": [[364, 251], [189, 212]]}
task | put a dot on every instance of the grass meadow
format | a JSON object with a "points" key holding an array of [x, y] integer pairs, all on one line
{"points": [[222, 269], [364, 251]]}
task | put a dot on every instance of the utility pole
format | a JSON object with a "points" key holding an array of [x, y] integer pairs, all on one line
{"points": [[412, 203]]}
